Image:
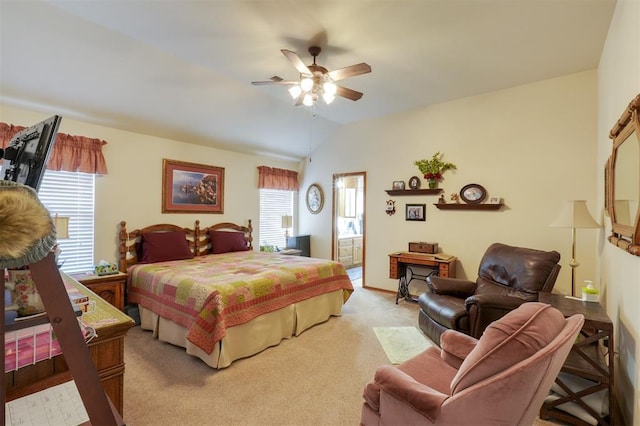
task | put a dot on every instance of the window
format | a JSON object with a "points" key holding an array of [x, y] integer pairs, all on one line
{"points": [[274, 204], [71, 194]]}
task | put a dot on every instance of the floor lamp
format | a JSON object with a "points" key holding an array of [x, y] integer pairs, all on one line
{"points": [[574, 215]]}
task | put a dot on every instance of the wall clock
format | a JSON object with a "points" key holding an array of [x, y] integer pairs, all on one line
{"points": [[315, 198]]}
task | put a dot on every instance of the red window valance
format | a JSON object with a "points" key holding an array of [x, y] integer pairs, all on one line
{"points": [[273, 178], [70, 153]]}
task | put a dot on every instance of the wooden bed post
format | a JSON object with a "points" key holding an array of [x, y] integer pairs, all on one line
{"points": [[196, 239], [122, 262]]}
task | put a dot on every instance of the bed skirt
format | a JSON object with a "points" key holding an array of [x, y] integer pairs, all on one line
{"points": [[248, 339]]}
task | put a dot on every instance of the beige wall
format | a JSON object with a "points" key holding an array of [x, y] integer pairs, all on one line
{"points": [[132, 191], [532, 145], [618, 83]]}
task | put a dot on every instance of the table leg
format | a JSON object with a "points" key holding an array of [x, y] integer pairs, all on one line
{"points": [[403, 288]]}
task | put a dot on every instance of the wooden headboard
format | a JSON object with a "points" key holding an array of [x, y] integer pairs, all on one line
{"points": [[204, 246], [198, 239]]}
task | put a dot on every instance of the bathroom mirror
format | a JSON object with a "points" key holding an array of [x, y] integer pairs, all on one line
{"points": [[623, 180]]}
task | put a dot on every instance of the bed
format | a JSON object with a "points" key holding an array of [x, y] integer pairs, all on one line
{"points": [[205, 289]]}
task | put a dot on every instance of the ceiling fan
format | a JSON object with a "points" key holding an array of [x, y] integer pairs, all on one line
{"points": [[316, 81]]}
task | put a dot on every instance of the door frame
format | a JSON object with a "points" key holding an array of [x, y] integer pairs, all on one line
{"points": [[334, 212]]}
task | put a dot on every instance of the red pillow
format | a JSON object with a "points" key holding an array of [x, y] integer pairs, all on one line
{"points": [[163, 246], [225, 242]]}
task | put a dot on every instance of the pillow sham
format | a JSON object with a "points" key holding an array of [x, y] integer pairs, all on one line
{"points": [[227, 241], [24, 292], [163, 246]]}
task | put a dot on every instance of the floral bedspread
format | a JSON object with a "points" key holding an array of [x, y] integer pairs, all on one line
{"points": [[207, 294]]}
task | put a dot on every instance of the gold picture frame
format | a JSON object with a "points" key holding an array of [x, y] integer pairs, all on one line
{"points": [[192, 188]]}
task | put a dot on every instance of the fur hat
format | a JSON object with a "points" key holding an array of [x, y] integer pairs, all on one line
{"points": [[27, 233]]}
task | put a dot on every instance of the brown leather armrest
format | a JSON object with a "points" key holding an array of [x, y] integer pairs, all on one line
{"points": [[498, 301], [455, 347], [485, 308], [451, 286], [425, 400]]}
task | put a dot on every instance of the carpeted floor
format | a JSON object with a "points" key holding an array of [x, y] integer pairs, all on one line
{"points": [[316, 378]]}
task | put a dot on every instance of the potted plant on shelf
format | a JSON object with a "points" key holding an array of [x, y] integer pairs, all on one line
{"points": [[434, 168]]}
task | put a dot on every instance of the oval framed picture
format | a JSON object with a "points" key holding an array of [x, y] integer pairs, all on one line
{"points": [[414, 182], [315, 198], [473, 193]]}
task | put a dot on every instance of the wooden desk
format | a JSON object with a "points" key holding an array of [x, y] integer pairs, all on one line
{"points": [[400, 267], [585, 359], [107, 352]]}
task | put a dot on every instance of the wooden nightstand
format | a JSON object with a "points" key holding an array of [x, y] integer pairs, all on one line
{"points": [[110, 287]]}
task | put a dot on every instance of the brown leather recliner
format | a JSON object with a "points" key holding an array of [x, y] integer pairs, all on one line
{"points": [[508, 276]]}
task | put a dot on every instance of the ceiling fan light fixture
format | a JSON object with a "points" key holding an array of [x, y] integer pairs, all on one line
{"points": [[329, 88], [328, 98], [295, 91], [306, 84], [307, 100]]}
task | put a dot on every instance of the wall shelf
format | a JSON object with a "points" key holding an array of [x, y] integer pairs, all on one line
{"points": [[456, 206], [434, 191]]}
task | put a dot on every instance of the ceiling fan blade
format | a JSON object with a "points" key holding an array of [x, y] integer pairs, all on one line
{"points": [[350, 71], [295, 60], [348, 93], [274, 80]]}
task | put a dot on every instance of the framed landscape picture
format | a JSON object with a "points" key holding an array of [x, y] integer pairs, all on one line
{"points": [[190, 187]]}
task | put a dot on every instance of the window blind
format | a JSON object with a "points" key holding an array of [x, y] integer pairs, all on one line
{"points": [[273, 205], [72, 194]]}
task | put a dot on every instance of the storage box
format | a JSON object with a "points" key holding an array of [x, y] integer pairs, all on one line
{"points": [[422, 247]]}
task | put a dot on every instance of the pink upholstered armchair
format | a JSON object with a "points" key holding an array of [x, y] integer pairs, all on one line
{"points": [[502, 378]]}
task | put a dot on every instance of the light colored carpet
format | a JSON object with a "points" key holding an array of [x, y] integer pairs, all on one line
{"points": [[401, 343], [315, 379]]}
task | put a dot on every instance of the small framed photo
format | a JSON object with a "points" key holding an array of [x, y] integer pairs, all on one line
{"points": [[473, 193], [415, 212], [495, 200], [398, 185], [414, 182]]}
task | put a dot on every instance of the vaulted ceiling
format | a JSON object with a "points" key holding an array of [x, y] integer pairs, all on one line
{"points": [[183, 69]]}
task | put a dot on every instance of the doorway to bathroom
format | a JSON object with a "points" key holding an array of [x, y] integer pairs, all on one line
{"points": [[348, 241]]}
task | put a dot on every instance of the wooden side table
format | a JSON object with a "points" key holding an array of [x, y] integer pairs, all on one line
{"points": [[110, 287], [400, 267], [107, 353], [584, 360]]}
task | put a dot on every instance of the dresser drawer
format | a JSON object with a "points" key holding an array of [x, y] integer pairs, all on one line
{"points": [[345, 242]]}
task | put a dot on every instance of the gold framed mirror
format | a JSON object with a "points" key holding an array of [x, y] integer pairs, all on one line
{"points": [[623, 180]]}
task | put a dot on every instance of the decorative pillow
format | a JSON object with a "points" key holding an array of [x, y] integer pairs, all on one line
{"points": [[511, 339], [225, 241], [163, 246], [24, 292]]}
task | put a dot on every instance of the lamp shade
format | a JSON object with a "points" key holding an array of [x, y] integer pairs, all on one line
{"points": [[287, 221], [574, 214], [62, 226]]}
